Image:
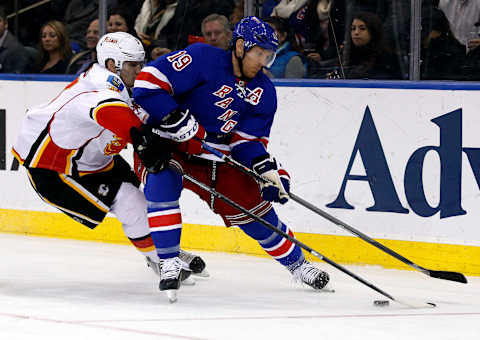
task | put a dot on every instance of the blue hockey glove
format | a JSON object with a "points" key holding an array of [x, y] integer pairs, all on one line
{"points": [[277, 188]]}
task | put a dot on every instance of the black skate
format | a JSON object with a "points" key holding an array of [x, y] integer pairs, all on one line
{"points": [[184, 274], [309, 274], [195, 263], [171, 274]]}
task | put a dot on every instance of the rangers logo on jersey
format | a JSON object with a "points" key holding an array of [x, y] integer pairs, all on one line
{"points": [[254, 96], [224, 103], [223, 91]]}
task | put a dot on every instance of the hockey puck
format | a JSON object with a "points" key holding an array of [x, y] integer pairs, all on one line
{"points": [[381, 303]]}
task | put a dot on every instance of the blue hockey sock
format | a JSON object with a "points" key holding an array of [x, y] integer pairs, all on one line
{"points": [[281, 249]]}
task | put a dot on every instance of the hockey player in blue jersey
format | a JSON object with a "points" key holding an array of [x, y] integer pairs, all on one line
{"points": [[205, 94]]}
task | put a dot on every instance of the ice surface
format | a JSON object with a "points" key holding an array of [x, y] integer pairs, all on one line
{"points": [[65, 289]]}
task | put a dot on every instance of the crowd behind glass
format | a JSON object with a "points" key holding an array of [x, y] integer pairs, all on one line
{"points": [[319, 39]]}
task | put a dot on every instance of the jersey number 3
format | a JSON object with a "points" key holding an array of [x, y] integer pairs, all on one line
{"points": [[180, 60]]}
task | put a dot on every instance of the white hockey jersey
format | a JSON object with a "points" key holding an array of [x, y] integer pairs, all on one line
{"points": [[81, 129]]}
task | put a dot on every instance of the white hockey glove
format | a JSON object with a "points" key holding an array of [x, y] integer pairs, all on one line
{"points": [[277, 188], [182, 127]]}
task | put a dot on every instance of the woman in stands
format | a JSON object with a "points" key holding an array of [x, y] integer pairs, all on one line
{"points": [[367, 56], [54, 49]]}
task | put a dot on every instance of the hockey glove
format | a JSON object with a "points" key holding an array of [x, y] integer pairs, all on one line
{"points": [[182, 127], [193, 146], [153, 151], [277, 186]]}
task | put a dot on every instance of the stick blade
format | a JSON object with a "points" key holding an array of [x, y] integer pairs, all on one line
{"points": [[452, 276], [414, 304]]}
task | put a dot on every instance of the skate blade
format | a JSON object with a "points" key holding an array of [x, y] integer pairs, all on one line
{"points": [[171, 295], [203, 273], [327, 289], [189, 281]]}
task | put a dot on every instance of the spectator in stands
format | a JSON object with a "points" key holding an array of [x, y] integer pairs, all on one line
{"points": [[285, 8], [188, 19], [366, 55], [119, 20], [313, 30], [318, 36], [82, 60], [55, 50], [132, 6], [268, 6], [33, 18], [156, 49], [237, 13], [12, 55], [288, 63], [154, 22], [462, 15], [78, 15], [443, 56], [216, 30]]}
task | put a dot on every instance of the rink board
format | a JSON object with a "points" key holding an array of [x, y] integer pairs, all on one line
{"points": [[397, 161]]}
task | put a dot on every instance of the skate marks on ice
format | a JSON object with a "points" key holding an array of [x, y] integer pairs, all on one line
{"points": [[52, 289]]}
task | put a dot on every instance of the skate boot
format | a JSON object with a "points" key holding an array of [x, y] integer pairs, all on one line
{"points": [[309, 274], [185, 277], [170, 277], [195, 263]]}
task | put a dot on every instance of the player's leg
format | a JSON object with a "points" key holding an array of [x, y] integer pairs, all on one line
{"points": [[130, 207], [245, 191], [284, 251], [87, 199], [195, 262], [162, 191]]}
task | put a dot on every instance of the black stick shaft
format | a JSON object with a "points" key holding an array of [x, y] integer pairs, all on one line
{"points": [[285, 235], [446, 275]]}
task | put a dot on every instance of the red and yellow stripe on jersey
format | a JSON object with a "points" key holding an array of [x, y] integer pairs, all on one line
{"points": [[48, 155], [143, 244], [116, 116]]}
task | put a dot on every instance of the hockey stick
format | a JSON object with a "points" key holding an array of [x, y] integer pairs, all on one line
{"points": [[295, 241], [439, 274]]}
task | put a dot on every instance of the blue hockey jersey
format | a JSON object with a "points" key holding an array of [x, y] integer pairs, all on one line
{"points": [[237, 115]]}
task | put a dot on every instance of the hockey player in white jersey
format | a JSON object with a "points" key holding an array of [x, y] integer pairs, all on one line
{"points": [[70, 147]]}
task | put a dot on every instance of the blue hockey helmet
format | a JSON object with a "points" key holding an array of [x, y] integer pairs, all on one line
{"points": [[255, 32]]}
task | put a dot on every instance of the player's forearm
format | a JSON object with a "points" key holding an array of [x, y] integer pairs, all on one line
{"points": [[158, 104], [245, 153]]}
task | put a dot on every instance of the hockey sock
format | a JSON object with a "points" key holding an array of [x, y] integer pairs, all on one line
{"points": [[129, 206], [281, 249], [162, 191], [145, 246], [166, 228]]}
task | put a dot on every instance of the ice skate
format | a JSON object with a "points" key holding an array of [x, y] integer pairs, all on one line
{"points": [[195, 263], [185, 276], [308, 274], [170, 276]]}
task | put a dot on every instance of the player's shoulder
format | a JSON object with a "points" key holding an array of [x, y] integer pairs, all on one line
{"points": [[267, 82], [262, 95], [106, 82], [202, 48], [264, 82], [207, 54]]}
